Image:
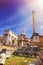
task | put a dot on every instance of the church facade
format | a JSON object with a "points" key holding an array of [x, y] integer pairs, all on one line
{"points": [[23, 40]]}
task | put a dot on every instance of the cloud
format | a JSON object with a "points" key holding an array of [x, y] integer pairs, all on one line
{"points": [[41, 27], [7, 27], [36, 5], [21, 20]]}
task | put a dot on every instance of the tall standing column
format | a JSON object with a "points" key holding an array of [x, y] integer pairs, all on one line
{"points": [[34, 21]]}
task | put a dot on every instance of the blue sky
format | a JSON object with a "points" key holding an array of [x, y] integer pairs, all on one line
{"points": [[17, 16]]}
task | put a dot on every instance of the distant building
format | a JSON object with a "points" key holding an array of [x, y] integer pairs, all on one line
{"points": [[10, 38], [1, 38], [37, 40]]}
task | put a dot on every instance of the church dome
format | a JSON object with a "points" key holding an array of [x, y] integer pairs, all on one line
{"points": [[23, 33]]}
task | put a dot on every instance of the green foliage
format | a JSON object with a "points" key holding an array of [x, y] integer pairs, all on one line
{"points": [[15, 60]]}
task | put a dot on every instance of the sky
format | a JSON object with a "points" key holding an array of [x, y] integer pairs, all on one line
{"points": [[16, 15]]}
